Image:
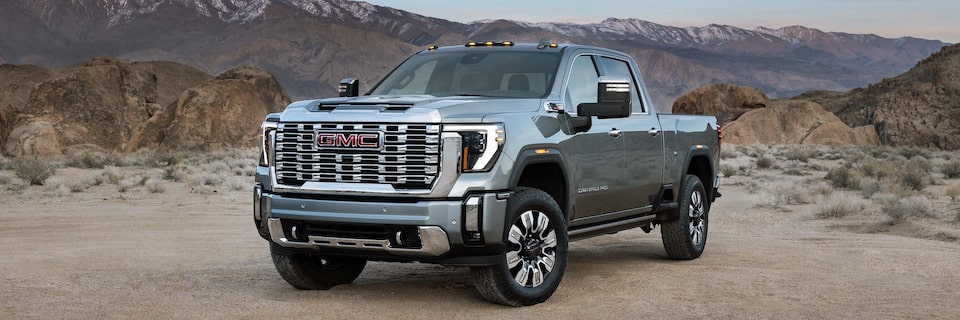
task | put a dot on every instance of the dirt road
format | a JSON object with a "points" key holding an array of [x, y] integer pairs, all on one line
{"points": [[100, 254]]}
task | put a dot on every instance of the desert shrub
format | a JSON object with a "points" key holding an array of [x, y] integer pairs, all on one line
{"points": [[728, 170], [207, 179], [822, 189], [33, 169], [237, 184], [953, 192], [794, 171], [910, 153], [877, 168], [951, 169], [781, 194], [838, 206], [764, 162], [88, 159], [901, 209], [728, 153], [77, 185], [167, 158], [54, 183], [800, 153], [113, 175], [172, 173], [154, 186], [842, 177], [869, 187], [914, 178], [5, 180]]}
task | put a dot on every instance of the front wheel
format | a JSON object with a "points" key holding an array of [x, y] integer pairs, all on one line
{"points": [[685, 238], [535, 253]]}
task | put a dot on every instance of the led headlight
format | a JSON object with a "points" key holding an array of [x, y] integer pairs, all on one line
{"points": [[479, 145], [268, 131]]}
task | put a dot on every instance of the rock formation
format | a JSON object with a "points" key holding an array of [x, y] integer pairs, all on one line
{"points": [[795, 122], [726, 101], [920, 108], [118, 105]]}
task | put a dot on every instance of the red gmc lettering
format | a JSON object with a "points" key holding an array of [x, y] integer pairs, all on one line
{"points": [[354, 140]]}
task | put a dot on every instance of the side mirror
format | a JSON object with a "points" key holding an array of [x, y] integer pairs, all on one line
{"points": [[349, 87], [613, 99]]}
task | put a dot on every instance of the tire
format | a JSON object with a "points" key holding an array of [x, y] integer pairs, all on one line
{"points": [[313, 272], [685, 238], [535, 252]]}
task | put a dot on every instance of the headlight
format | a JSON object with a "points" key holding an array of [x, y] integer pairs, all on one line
{"points": [[480, 145], [268, 132]]}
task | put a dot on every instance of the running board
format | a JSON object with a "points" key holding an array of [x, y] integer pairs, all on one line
{"points": [[606, 228]]}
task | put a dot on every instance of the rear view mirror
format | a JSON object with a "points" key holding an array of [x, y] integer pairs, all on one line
{"points": [[613, 99], [349, 87]]}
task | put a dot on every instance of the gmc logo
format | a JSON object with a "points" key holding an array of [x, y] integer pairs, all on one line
{"points": [[367, 140]]}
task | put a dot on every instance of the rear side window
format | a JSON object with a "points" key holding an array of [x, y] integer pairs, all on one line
{"points": [[620, 68]]}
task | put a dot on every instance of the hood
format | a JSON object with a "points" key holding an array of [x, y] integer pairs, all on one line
{"points": [[422, 109]]}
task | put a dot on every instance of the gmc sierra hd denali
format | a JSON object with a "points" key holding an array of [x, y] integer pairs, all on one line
{"points": [[491, 155]]}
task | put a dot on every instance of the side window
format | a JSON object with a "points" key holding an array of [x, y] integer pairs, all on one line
{"points": [[620, 68], [582, 84]]}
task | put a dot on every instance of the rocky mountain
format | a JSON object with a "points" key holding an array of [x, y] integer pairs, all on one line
{"points": [[919, 108], [110, 104], [310, 44]]}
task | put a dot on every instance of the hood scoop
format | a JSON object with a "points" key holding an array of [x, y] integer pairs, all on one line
{"points": [[369, 103]]}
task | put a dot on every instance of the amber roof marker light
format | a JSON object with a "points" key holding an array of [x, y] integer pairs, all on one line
{"points": [[472, 44]]}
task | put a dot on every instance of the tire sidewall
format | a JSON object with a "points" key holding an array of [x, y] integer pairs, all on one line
{"points": [[517, 206], [693, 184]]}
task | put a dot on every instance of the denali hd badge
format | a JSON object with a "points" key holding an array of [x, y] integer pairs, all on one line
{"points": [[349, 140]]}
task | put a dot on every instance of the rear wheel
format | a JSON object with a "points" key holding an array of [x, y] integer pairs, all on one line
{"points": [[685, 238], [313, 272], [535, 254]]}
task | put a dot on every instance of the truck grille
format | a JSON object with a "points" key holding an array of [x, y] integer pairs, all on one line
{"points": [[408, 158]]}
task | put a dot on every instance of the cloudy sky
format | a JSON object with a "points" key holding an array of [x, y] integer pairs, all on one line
{"points": [[930, 19]]}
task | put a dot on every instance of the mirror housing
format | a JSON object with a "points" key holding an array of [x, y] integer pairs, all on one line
{"points": [[613, 99], [349, 87]]}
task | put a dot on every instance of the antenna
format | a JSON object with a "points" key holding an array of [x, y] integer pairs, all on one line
{"points": [[544, 42]]}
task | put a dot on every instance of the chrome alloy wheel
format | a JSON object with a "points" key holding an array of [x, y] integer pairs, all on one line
{"points": [[531, 248], [697, 217]]}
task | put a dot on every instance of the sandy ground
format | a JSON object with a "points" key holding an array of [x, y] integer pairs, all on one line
{"points": [[100, 254]]}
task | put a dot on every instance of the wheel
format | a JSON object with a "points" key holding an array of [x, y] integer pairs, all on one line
{"points": [[535, 253], [685, 238], [312, 272]]}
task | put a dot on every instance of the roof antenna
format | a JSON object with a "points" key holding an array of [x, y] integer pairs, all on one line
{"points": [[543, 43]]}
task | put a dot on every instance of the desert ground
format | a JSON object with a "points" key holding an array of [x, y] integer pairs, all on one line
{"points": [[788, 239]]}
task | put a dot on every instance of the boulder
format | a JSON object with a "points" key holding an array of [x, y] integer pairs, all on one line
{"points": [[34, 138], [796, 122], [223, 112], [725, 101]]}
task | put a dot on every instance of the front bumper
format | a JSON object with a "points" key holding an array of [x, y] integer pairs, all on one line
{"points": [[426, 230]]}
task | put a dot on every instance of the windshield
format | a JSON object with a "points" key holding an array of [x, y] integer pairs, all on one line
{"points": [[490, 73]]}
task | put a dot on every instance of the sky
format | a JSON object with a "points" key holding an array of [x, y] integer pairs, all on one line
{"points": [[929, 19]]}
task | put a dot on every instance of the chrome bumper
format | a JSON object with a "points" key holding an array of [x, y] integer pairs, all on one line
{"points": [[434, 241]]}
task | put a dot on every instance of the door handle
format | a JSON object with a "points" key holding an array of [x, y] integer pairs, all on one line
{"points": [[654, 132], [614, 132]]}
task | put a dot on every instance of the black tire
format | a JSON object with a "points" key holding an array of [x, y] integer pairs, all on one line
{"points": [[313, 272], [538, 250], [685, 238]]}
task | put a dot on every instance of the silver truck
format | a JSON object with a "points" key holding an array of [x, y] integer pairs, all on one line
{"points": [[491, 155]]}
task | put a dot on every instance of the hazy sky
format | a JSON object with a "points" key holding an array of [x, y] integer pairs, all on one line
{"points": [[930, 19]]}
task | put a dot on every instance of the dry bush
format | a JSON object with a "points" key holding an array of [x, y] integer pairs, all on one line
{"points": [[137, 180], [113, 175], [877, 168], [800, 153], [794, 171], [910, 153], [16, 186], [842, 177], [237, 184], [728, 170], [951, 169], [206, 179], [900, 209], [91, 159], [953, 192], [728, 153], [5, 180], [33, 170], [154, 186], [822, 189], [173, 173], [54, 183], [838, 206], [914, 178], [781, 194], [764, 162], [77, 185], [869, 187]]}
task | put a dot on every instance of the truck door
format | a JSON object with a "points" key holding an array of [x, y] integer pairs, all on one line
{"points": [[597, 153], [643, 141]]}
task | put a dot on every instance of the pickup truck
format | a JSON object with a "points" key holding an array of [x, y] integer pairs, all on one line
{"points": [[491, 155]]}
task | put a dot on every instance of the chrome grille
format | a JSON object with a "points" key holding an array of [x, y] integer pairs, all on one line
{"points": [[408, 159]]}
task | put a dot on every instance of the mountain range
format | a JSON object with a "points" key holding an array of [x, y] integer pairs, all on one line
{"points": [[310, 44]]}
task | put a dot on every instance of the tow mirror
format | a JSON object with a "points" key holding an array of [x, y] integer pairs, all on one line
{"points": [[349, 87], [613, 99]]}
